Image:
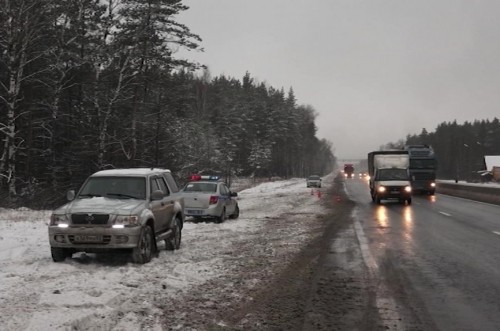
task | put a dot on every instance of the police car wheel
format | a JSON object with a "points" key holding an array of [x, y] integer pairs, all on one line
{"points": [[236, 213], [222, 217]]}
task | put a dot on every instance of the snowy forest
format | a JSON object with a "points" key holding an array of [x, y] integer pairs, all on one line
{"points": [[459, 148], [97, 84]]}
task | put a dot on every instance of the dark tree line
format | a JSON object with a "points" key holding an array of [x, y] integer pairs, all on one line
{"points": [[460, 148], [92, 84]]}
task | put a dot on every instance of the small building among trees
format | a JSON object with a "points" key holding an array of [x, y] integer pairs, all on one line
{"points": [[492, 168]]}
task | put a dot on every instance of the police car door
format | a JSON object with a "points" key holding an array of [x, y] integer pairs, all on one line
{"points": [[228, 201]]}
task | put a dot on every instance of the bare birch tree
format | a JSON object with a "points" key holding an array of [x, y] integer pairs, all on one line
{"points": [[20, 32]]}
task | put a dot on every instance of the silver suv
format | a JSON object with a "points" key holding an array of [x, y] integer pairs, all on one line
{"points": [[131, 209]]}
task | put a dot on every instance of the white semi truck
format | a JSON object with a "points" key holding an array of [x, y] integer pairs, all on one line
{"points": [[389, 176]]}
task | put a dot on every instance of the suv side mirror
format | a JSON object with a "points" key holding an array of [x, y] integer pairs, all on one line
{"points": [[70, 195], [234, 194], [157, 195]]}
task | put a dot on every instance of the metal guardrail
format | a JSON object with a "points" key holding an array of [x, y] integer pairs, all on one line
{"points": [[488, 194]]}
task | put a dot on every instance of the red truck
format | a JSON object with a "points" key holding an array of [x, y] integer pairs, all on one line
{"points": [[348, 170]]}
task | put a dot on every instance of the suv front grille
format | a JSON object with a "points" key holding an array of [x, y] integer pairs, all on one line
{"points": [[90, 219]]}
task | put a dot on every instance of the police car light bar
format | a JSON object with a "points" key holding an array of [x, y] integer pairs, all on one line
{"points": [[194, 178]]}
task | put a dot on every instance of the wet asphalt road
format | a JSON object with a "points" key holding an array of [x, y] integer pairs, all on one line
{"points": [[438, 259]]}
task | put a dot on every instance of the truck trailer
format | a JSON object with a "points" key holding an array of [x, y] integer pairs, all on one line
{"points": [[389, 176]]}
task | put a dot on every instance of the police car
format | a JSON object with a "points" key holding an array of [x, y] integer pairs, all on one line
{"points": [[209, 197]]}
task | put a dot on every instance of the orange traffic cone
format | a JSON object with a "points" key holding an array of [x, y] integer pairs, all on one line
{"points": [[319, 194]]}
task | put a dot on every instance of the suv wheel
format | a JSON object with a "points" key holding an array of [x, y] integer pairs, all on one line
{"points": [[143, 252], [174, 242], [59, 254]]}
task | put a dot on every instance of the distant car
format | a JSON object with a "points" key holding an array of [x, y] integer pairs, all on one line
{"points": [[208, 197], [313, 181]]}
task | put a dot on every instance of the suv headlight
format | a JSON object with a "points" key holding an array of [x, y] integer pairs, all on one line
{"points": [[381, 189], [60, 220], [125, 220], [407, 189]]}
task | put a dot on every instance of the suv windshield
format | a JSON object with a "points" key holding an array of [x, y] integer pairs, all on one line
{"points": [[115, 187], [314, 177]]}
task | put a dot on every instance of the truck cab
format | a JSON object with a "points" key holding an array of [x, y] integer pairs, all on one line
{"points": [[391, 183], [389, 176], [349, 170]]}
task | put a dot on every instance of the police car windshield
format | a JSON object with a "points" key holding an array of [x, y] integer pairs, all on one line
{"points": [[201, 187]]}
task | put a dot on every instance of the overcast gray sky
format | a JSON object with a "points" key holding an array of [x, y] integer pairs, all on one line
{"points": [[374, 70]]}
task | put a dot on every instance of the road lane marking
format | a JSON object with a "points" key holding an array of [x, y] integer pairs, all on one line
{"points": [[496, 232], [386, 305], [445, 214], [365, 249]]}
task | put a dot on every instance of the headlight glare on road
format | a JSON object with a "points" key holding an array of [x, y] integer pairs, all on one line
{"points": [[126, 220], [408, 189], [381, 189]]}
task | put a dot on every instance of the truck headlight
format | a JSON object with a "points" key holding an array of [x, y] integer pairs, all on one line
{"points": [[60, 220], [433, 184], [407, 189], [381, 189], [126, 220]]}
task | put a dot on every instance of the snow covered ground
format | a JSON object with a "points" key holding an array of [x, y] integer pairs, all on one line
{"points": [[217, 266]]}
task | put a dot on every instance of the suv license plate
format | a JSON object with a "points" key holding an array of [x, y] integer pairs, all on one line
{"points": [[194, 212], [88, 238]]}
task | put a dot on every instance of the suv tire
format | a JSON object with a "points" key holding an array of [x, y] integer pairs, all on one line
{"points": [[144, 250], [59, 254], [174, 242]]}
